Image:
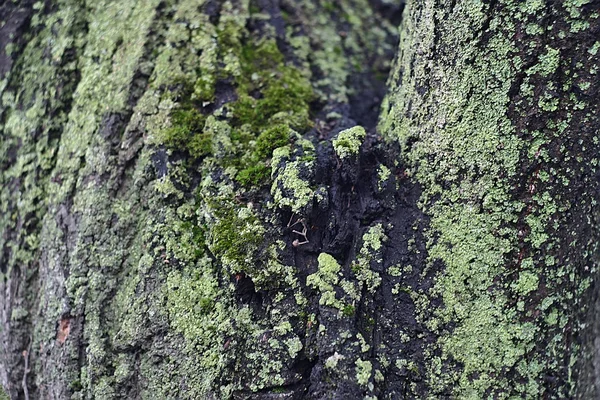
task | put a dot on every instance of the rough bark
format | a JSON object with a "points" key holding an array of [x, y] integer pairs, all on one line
{"points": [[196, 201], [146, 250], [495, 106]]}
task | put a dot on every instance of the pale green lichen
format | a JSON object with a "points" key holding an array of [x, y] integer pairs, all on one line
{"points": [[383, 173], [467, 156], [527, 283], [370, 252], [294, 346], [363, 371], [364, 346], [139, 256], [289, 189], [332, 361], [70, 82], [347, 143], [291, 173], [548, 63], [325, 280]]}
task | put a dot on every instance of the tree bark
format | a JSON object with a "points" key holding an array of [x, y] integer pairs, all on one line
{"points": [[496, 111], [204, 199]]}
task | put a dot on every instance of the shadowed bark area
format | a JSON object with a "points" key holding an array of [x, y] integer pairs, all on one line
{"points": [[196, 202]]}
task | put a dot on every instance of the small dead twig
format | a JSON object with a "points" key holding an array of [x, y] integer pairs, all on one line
{"points": [[296, 242], [289, 225]]}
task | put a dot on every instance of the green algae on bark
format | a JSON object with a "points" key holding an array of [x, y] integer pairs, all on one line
{"points": [[477, 100]]}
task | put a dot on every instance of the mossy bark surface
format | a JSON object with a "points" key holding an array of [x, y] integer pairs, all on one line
{"points": [[202, 199], [158, 159], [495, 105]]}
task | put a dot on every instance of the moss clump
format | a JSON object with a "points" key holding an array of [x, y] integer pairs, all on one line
{"points": [[348, 310], [272, 98], [235, 238], [268, 87], [186, 133], [348, 142], [270, 139], [253, 175], [254, 169]]}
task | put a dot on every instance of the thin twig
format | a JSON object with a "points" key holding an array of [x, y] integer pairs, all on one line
{"points": [[296, 242], [289, 225]]}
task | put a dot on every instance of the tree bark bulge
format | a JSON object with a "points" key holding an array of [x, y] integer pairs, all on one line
{"points": [[203, 199]]}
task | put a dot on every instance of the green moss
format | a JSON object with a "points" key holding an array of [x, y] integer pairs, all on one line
{"points": [[187, 132], [347, 143], [235, 238], [254, 175], [270, 139], [348, 310], [272, 97], [284, 89]]}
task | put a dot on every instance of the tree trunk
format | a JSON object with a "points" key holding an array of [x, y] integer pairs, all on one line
{"points": [[196, 201], [496, 111]]}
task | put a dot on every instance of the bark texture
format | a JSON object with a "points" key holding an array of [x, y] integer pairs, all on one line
{"points": [[199, 199], [495, 105], [147, 222]]}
